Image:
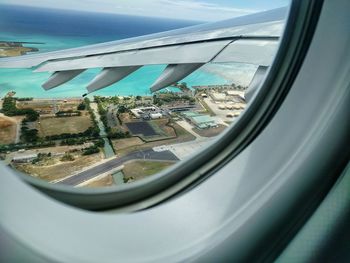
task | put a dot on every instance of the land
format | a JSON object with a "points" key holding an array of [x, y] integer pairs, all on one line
{"points": [[210, 132], [48, 126], [49, 106], [116, 164], [84, 142], [52, 169], [13, 49], [8, 128], [135, 143], [138, 170], [106, 181], [127, 143]]}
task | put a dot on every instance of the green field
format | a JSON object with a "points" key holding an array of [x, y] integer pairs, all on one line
{"points": [[54, 126], [137, 170]]}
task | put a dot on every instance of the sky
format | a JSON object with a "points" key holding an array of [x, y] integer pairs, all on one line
{"points": [[202, 10]]}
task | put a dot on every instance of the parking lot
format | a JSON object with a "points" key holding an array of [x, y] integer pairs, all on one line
{"points": [[186, 149], [222, 114], [141, 128]]}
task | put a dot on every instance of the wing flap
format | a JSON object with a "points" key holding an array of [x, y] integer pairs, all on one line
{"points": [[173, 73], [60, 77], [108, 76]]}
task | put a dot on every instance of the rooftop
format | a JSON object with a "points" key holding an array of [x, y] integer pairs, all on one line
{"points": [[203, 119], [24, 156], [191, 114]]}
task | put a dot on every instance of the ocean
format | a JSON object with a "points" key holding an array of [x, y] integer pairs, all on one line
{"points": [[61, 29]]}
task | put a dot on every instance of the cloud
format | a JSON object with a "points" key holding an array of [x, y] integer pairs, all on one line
{"points": [[205, 6], [178, 9], [191, 9]]}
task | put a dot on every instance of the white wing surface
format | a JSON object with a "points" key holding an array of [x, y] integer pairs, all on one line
{"points": [[249, 39]]}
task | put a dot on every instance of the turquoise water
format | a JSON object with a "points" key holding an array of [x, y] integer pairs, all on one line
{"points": [[28, 84], [61, 30]]}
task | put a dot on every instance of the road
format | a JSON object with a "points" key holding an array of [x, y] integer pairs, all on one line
{"points": [[189, 128], [15, 121], [108, 166], [111, 117], [18, 131], [185, 149], [108, 149]]}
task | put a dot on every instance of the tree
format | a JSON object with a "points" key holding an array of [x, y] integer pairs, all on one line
{"points": [[91, 150], [32, 115], [93, 132], [73, 141], [87, 101], [118, 134], [122, 109], [29, 135], [115, 100], [100, 143], [67, 157], [81, 106], [9, 108]]}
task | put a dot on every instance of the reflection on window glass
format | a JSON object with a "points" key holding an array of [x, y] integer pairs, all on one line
{"points": [[122, 133]]}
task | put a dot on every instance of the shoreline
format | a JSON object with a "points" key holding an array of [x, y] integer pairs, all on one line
{"points": [[16, 48], [233, 73], [222, 73], [48, 98]]}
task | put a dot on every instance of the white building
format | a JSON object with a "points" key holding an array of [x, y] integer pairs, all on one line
{"points": [[138, 112], [156, 116], [235, 93], [24, 158]]}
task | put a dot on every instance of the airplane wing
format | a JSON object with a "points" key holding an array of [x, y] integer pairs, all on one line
{"points": [[248, 39]]}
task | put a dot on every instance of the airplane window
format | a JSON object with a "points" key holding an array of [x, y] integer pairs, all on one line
{"points": [[95, 113]]}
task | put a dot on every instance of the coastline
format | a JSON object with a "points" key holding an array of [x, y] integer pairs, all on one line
{"points": [[29, 85], [237, 73], [53, 98], [15, 48]]}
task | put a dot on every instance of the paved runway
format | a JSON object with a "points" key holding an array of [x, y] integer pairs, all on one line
{"points": [[108, 166], [185, 149]]}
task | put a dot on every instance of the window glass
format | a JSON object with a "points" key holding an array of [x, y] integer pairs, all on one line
{"points": [[124, 132]]}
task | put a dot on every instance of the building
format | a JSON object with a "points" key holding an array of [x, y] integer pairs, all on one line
{"points": [[140, 112], [232, 106], [156, 116], [239, 106], [190, 114], [233, 114], [236, 93], [137, 112], [204, 122], [180, 108], [216, 96], [199, 120], [24, 158]]}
